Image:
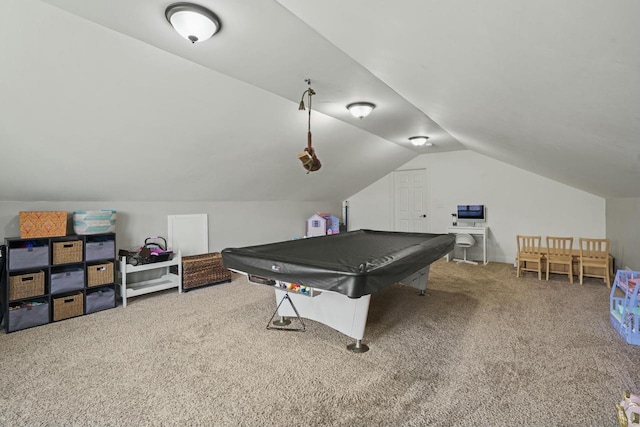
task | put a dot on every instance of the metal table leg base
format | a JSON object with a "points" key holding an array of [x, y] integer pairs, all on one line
{"points": [[283, 320], [358, 347]]}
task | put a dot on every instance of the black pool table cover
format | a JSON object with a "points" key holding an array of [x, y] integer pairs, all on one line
{"points": [[356, 263]]}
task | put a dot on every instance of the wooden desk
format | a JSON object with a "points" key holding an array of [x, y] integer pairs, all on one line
{"points": [[575, 255]]}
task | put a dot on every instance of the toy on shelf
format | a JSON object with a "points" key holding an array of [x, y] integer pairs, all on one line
{"points": [[624, 305], [148, 253], [295, 288]]}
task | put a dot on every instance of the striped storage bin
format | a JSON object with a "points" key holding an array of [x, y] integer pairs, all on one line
{"points": [[94, 222]]}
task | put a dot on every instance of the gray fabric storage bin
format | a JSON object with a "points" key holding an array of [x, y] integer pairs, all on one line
{"points": [[69, 279], [27, 317], [28, 257], [100, 250], [100, 300]]}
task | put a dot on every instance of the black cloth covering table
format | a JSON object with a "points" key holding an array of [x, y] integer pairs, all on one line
{"points": [[356, 263]]}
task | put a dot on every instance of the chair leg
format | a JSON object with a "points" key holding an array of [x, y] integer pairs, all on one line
{"points": [[608, 279], [547, 269], [570, 273], [539, 269], [518, 268], [580, 272]]}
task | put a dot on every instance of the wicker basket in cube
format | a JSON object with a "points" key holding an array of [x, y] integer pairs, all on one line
{"points": [[99, 274], [26, 285], [201, 270], [68, 306], [67, 252]]}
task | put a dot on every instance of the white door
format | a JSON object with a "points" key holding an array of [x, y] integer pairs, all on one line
{"points": [[410, 205]]}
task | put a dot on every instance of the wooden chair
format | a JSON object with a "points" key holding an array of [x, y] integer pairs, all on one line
{"points": [[559, 252], [529, 251], [594, 253]]}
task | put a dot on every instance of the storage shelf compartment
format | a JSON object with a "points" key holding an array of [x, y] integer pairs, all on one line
{"points": [[99, 299], [101, 247], [26, 315], [153, 285], [151, 266]]}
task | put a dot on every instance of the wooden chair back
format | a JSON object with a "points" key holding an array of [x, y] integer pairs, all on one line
{"points": [[595, 253], [559, 247], [529, 251], [559, 253], [594, 250], [529, 246]]}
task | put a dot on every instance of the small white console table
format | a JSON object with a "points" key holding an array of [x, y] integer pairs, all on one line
{"points": [[168, 280], [474, 231]]}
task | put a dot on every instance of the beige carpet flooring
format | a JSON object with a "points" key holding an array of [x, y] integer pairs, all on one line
{"points": [[482, 349]]}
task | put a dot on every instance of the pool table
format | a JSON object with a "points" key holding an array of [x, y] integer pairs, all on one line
{"points": [[343, 270]]}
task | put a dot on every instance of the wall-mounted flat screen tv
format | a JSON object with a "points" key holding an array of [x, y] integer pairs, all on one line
{"points": [[471, 213]]}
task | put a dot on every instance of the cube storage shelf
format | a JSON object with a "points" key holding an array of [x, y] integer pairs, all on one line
{"points": [[624, 305], [49, 279]]}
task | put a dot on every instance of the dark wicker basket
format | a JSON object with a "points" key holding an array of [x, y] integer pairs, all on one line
{"points": [[205, 269]]}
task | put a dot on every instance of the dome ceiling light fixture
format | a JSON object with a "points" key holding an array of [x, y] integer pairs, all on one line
{"points": [[420, 141], [361, 109], [193, 22]]}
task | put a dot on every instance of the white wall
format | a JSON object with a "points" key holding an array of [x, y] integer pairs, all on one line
{"points": [[231, 224], [624, 232], [517, 202], [372, 207]]}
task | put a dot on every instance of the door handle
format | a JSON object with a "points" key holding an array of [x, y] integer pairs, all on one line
{"points": [[423, 216]]}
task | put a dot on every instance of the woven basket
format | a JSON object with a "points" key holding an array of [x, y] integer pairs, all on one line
{"points": [[205, 269], [99, 274], [26, 285], [67, 252], [68, 306]]}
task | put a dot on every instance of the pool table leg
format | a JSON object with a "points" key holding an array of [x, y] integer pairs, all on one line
{"points": [[418, 280], [282, 322], [358, 347], [279, 324]]}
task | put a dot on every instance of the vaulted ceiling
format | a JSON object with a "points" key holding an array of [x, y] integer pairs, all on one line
{"points": [[102, 100]]}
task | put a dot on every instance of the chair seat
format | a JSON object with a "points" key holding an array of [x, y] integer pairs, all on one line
{"points": [[595, 262], [465, 240], [560, 258]]}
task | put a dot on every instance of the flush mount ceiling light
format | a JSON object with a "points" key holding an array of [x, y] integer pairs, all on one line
{"points": [[361, 109], [194, 23], [420, 141]]}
